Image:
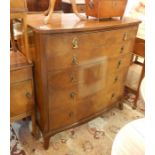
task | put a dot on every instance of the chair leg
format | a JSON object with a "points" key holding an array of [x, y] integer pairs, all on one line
{"points": [[137, 94], [46, 142], [34, 127]]}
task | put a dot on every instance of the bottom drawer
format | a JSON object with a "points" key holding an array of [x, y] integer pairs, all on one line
{"points": [[115, 94], [91, 105], [21, 98]]}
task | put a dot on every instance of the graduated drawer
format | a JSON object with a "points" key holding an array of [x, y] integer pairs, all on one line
{"points": [[21, 98], [68, 106], [88, 74], [61, 107], [62, 50], [115, 64], [116, 78], [91, 104], [115, 94], [21, 74]]}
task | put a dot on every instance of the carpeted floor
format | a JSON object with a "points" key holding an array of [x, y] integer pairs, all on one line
{"points": [[92, 138]]}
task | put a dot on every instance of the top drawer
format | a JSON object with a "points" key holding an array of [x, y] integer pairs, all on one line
{"points": [[60, 49]]}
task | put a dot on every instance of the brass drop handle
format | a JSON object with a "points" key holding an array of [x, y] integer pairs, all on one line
{"points": [[71, 114], [122, 49], [125, 36], [119, 63], [74, 60], [72, 95], [73, 78], [28, 95], [116, 79], [113, 95], [91, 4], [75, 43]]}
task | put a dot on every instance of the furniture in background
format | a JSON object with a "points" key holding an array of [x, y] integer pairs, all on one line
{"points": [[18, 11], [21, 89], [105, 8], [67, 6], [80, 68], [41, 5], [21, 76], [139, 51]]}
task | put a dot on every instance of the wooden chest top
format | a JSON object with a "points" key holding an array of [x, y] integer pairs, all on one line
{"points": [[70, 23]]}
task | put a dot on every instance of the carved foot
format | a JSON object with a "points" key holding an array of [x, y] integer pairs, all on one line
{"points": [[36, 133], [120, 105], [46, 142]]}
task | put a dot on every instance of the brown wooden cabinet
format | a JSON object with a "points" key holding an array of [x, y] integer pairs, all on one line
{"points": [[80, 68], [21, 89], [67, 6], [42, 5]]}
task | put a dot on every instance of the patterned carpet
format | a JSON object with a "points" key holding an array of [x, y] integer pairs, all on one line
{"points": [[92, 138]]}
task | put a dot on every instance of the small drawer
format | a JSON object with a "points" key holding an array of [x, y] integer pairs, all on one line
{"points": [[64, 78], [116, 64], [115, 94], [90, 74], [73, 49], [62, 107], [21, 98], [64, 97], [119, 49], [60, 118], [89, 105], [21, 75], [116, 79]]}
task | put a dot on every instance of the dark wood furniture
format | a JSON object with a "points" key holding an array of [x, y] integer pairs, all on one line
{"points": [[21, 76], [41, 5], [139, 51], [105, 8], [67, 7], [80, 68], [21, 89], [18, 11]]}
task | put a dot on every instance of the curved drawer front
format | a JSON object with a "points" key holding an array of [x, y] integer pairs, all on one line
{"points": [[115, 94], [63, 51], [91, 104], [116, 79], [21, 75], [89, 74], [115, 64], [61, 107], [21, 98]]}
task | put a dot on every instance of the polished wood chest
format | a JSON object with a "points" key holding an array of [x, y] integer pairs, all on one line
{"points": [[80, 68], [21, 87]]}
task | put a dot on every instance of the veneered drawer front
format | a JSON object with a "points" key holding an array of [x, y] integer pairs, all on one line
{"points": [[60, 118], [21, 98], [87, 106], [119, 49], [20, 75], [64, 78], [118, 78], [88, 74], [115, 64], [115, 94], [61, 107], [61, 98], [62, 50]]}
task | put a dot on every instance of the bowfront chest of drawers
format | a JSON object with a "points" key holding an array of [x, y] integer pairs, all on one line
{"points": [[80, 68]]}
